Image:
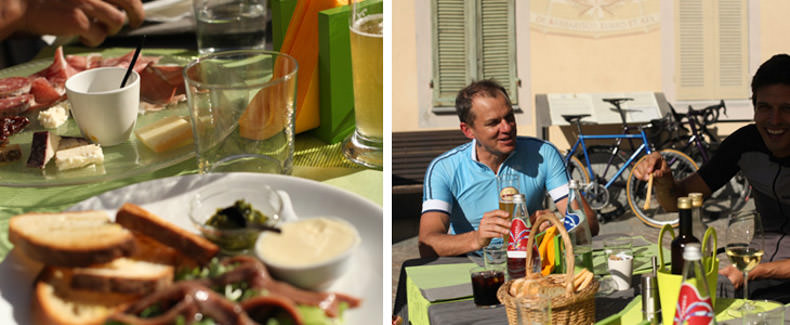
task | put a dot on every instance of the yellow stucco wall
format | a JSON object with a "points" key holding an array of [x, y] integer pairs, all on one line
{"points": [[404, 67], [561, 63]]}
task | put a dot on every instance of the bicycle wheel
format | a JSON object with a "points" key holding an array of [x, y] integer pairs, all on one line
{"points": [[609, 202], [729, 198], [576, 170], [655, 216]]}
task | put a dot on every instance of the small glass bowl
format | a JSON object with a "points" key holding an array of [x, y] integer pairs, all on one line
{"points": [[208, 201]]}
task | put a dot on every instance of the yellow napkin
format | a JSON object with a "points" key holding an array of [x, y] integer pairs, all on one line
{"points": [[546, 251]]}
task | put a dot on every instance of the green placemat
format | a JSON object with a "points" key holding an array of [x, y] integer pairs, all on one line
{"points": [[642, 256], [632, 314]]}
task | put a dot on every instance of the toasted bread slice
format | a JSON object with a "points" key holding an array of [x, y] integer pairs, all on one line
{"points": [[148, 249], [123, 275], [54, 302], [190, 244], [70, 239]]}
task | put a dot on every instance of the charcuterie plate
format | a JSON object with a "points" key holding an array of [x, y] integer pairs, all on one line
{"points": [[169, 198], [127, 159]]}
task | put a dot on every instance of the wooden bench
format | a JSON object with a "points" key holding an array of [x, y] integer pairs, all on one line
{"points": [[412, 152]]}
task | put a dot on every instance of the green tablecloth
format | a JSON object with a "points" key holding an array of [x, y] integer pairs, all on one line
{"points": [[313, 159]]}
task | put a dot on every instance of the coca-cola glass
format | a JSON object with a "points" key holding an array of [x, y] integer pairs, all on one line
{"points": [[485, 283], [745, 248]]}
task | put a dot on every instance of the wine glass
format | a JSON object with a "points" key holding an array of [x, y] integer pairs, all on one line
{"points": [[745, 248]]}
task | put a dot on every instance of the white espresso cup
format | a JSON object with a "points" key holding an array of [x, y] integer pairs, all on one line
{"points": [[621, 267], [105, 112]]}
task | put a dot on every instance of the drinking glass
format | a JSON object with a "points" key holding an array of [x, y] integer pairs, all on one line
{"points": [[365, 145], [224, 25], [539, 307], [773, 313], [495, 256], [485, 283], [745, 247], [507, 186]]}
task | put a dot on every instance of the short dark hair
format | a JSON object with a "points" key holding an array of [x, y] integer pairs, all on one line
{"points": [[774, 71], [463, 102]]}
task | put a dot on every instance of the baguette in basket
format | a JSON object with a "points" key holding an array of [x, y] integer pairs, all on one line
{"points": [[572, 297]]}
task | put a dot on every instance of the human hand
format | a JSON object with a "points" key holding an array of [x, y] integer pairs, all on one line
{"points": [[544, 225], [654, 163], [494, 224], [91, 20], [735, 275]]}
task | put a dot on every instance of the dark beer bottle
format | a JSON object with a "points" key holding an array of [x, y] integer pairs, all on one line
{"points": [[685, 237]]}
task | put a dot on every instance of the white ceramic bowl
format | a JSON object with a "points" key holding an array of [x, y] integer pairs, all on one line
{"points": [[105, 112], [312, 276]]}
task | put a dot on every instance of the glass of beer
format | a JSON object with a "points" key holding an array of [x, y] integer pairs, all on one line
{"points": [[366, 23], [507, 187]]}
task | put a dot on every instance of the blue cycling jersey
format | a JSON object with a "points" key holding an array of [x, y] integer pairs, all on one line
{"points": [[458, 184]]}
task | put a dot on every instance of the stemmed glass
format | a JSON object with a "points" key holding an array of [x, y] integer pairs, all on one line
{"points": [[745, 248]]}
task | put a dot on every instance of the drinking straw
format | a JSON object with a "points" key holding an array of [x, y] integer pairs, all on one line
{"points": [[134, 60]]}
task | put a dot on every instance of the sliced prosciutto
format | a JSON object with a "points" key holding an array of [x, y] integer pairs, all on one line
{"points": [[161, 84], [44, 94], [58, 72]]}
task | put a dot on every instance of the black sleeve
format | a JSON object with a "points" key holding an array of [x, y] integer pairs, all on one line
{"points": [[724, 163]]}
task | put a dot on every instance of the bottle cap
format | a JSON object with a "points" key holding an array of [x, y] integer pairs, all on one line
{"points": [[519, 198], [684, 203], [692, 252], [696, 199]]}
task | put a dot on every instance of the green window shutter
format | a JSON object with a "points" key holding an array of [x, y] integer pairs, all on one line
{"points": [[497, 44], [452, 58], [472, 40]]}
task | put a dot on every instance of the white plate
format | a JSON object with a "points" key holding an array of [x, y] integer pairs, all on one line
{"points": [[167, 10], [170, 197]]}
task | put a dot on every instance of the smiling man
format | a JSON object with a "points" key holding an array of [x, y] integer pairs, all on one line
{"points": [[460, 201], [761, 152]]}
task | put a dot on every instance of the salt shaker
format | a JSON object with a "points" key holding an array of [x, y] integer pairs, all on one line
{"points": [[651, 306]]}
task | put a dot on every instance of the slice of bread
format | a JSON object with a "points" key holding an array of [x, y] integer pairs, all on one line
{"points": [[190, 244], [54, 302], [123, 275], [70, 239]]}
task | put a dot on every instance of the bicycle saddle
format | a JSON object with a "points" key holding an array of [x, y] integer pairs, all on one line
{"points": [[616, 101], [572, 118]]}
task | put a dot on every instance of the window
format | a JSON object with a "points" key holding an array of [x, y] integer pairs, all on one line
{"points": [[472, 40], [712, 49]]}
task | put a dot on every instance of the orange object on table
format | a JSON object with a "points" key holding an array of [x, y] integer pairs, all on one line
{"points": [[546, 251]]}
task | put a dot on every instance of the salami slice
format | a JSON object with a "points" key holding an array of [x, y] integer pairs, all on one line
{"points": [[14, 86], [13, 106]]}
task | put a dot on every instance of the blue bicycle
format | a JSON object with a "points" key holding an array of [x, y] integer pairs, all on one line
{"points": [[601, 169]]}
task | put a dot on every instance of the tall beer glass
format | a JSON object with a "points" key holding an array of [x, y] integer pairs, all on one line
{"points": [[364, 145]]}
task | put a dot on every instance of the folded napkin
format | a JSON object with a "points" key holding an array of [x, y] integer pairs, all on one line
{"points": [[442, 281]]}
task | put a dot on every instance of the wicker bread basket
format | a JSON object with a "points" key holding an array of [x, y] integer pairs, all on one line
{"points": [[568, 308]]}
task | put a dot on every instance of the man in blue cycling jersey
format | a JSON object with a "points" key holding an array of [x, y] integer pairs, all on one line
{"points": [[460, 211], [761, 152]]}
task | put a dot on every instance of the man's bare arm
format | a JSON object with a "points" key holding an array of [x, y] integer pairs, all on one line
{"points": [[435, 241]]}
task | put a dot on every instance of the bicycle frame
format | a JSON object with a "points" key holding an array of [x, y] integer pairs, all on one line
{"points": [[580, 141]]}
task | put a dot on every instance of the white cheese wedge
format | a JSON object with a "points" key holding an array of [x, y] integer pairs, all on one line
{"points": [[79, 156], [168, 133], [54, 116]]}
